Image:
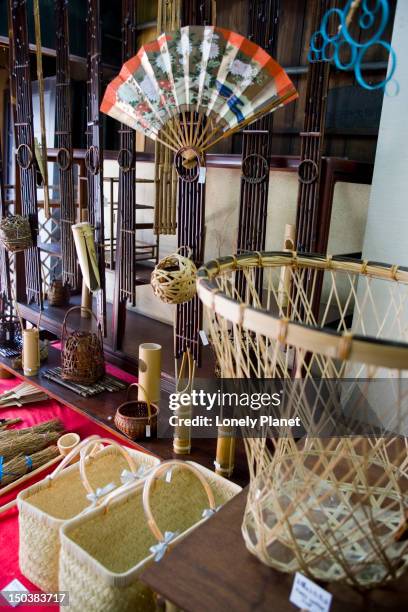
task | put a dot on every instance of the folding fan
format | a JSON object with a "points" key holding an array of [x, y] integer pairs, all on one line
{"points": [[190, 88]]}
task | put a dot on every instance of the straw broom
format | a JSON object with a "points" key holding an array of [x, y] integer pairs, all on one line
{"points": [[26, 444], [46, 427], [23, 464]]}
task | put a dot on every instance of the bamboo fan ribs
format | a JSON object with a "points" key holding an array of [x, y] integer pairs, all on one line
{"points": [[193, 87]]}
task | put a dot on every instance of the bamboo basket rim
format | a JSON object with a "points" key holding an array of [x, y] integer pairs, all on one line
{"points": [[325, 341]]}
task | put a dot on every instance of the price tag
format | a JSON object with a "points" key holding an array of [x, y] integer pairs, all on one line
{"points": [[307, 595], [148, 431], [203, 337], [202, 174]]}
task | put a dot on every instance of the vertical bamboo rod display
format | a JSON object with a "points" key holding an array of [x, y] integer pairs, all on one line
{"points": [[190, 215], [40, 80], [94, 153], [165, 210], [263, 23], [63, 134], [312, 138], [5, 292], [25, 155], [125, 258], [126, 236]]}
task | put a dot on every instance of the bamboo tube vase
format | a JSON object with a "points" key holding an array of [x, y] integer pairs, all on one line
{"points": [[225, 454], [31, 351], [150, 355], [182, 432]]}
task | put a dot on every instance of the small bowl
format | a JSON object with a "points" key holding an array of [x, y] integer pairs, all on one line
{"points": [[67, 443]]}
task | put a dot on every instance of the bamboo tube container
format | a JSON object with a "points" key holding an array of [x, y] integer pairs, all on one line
{"points": [[150, 355], [285, 275], [182, 432], [86, 301], [225, 454], [31, 351]]}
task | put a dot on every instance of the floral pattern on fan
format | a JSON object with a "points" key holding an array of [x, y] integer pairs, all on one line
{"points": [[226, 79]]}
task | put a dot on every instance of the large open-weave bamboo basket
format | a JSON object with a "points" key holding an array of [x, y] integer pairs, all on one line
{"points": [[332, 506]]}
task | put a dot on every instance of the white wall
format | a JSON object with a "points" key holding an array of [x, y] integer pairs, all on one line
{"points": [[387, 223]]}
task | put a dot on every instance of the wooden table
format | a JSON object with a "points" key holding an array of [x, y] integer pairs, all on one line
{"points": [[212, 570], [101, 408]]}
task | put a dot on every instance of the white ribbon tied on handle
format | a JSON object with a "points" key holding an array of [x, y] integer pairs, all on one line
{"points": [[208, 512], [127, 476], [100, 492], [160, 549]]}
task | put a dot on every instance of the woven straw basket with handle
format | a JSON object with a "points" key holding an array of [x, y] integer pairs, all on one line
{"points": [[138, 526], [82, 357], [67, 492], [137, 419]]}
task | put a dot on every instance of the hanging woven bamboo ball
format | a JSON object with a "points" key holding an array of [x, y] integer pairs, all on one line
{"points": [[174, 278]]}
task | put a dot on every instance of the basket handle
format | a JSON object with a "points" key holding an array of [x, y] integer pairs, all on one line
{"points": [[154, 475], [188, 249], [187, 356], [139, 386], [84, 453], [69, 311]]}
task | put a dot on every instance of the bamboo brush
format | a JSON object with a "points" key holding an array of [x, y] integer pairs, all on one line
{"points": [[23, 464], [29, 443]]}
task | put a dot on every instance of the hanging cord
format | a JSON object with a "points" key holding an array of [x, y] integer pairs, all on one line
{"points": [[40, 78]]}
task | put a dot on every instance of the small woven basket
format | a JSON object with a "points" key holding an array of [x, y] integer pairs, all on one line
{"points": [[102, 573], [68, 491], [15, 233], [82, 358], [174, 278], [58, 293], [137, 419]]}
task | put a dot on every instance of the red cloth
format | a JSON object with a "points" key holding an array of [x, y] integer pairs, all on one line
{"points": [[37, 413]]}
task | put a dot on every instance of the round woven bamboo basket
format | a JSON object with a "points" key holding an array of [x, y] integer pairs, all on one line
{"points": [[331, 505], [15, 233], [174, 278], [58, 293], [82, 358], [137, 419]]}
